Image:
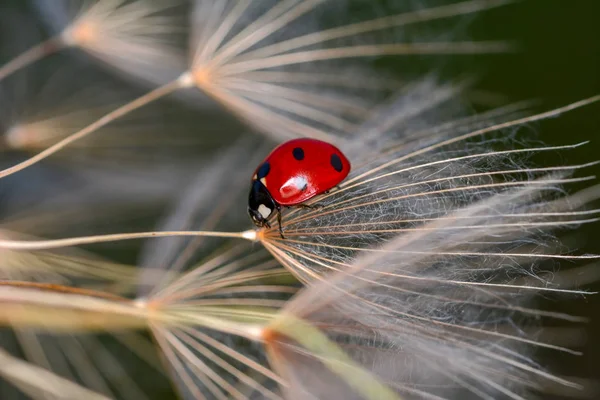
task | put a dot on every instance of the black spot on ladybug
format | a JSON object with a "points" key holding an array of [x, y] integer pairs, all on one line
{"points": [[298, 153], [336, 162], [263, 170]]}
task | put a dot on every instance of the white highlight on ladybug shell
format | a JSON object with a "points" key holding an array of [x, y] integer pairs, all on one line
{"points": [[292, 186], [264, 211]]}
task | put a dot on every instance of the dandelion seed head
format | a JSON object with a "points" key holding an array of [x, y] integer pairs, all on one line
{"points": [[213, 321], [42, 106], [415, 181], [19, 137], [228, 31], [137, 38], [82, 33], [284, 70], [424, 266]]}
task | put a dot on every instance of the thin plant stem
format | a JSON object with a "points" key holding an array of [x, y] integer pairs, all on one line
{"points": [[77, 241], [31, 55]]}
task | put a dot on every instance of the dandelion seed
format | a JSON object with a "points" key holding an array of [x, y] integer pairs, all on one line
{"points": [[39, 383], [225, 298], [276, 74], [135, 38], [46, 318], [36, 116], [103, 121], [74, 274], [84, 201], [421, 270], [193, 318]]}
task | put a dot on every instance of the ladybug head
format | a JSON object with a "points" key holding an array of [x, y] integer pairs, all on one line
{"points": [[260, 204]]}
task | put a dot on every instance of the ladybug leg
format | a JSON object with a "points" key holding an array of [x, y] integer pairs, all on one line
{"points": [[311, 206], [280, 228], [279, 218], [333, 189]]}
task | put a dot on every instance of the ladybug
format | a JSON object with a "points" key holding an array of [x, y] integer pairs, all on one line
{"points": [[294, 172]]}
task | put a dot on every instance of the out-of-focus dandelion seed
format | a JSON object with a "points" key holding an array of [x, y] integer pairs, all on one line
{"points": [[134, 37], [36, 115], [226, 297], [64, 267], [193, 318], [72, 271], [222, 301], [63, 337], [103, 121], [221, 183], [40, 383], [278, 75], [87, 201], [127, 35], [246, 66]]}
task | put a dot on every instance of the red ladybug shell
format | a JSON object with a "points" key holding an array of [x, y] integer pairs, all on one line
{"points": [[300, 169]]}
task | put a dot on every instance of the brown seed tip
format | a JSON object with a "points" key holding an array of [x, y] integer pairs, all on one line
{"points": [[83, 34], [202, 77]]}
